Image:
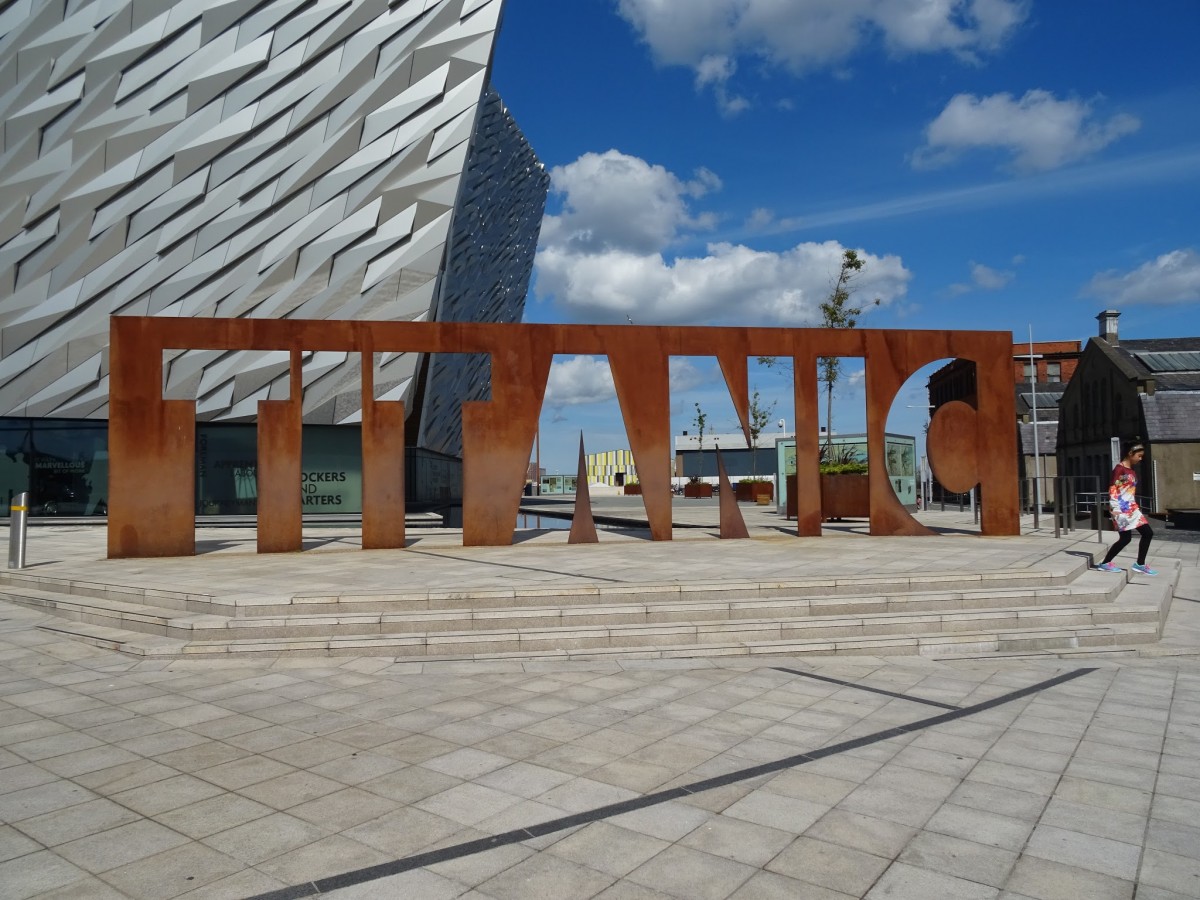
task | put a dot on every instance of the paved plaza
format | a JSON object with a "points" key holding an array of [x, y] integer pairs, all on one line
{"points": [[1070, 776]]}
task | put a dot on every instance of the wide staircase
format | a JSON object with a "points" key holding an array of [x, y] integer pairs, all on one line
{"points": [[1061, 607]]}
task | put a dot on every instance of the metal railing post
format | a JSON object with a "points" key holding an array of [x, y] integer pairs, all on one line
{"points": [[17, 522], [1035, 494], [1058, 490]]}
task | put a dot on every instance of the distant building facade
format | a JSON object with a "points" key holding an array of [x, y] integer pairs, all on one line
{"points": [[1148, 389], [692, 460], [611, 467]]}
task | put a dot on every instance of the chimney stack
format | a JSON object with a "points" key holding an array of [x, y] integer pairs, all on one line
{"points": [[1108, 325]]}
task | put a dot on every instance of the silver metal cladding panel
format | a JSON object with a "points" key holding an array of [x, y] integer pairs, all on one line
{"points": [[280, 159]]}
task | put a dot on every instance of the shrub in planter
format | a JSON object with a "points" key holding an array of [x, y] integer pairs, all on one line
{"points": [[751, 489], [845, 495]]}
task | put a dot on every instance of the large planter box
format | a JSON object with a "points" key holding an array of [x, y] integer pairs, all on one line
{"points": [[751, 491], [697, 490], [632, 489], [845, 497]]}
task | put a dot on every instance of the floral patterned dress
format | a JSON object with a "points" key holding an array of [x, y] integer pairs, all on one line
{"points": [[1122, 498]]}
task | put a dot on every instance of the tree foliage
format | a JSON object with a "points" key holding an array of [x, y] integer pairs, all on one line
{"points": [[836, 312], [759, 419], [701, 422]]}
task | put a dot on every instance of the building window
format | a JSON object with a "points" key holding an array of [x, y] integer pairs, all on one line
{"points": [[1028, 370], [1053, 371]]}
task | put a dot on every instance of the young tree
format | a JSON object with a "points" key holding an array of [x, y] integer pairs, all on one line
{"points": [[760, 418], [700, 422], [836, 312]]}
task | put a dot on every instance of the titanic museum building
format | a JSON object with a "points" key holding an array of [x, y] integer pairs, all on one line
{"points": [[301, 159]]}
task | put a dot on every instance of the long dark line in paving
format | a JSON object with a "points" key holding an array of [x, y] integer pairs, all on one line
{"points": [[864, 687], [500, 565], [470, 848]]}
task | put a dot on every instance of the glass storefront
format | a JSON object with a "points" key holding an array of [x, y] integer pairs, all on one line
{"points": [[225, 470], [559, 484], [64, 466], [14, 459]]}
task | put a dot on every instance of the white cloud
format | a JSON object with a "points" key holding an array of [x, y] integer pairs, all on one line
{"points": [[604, 258], [709, 36], [622, 203], [989, 279], [581, 380], [1173, 278], [685, 375], [1038, 130], [760, 219], [983, 278]]}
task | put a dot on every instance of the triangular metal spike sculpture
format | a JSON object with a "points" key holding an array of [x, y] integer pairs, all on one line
{"points": [[732, 523], [583, 526], [737, 379]]}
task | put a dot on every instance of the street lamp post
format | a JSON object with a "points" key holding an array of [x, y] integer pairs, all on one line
{"points": [[1037, 455], [926, 485]]}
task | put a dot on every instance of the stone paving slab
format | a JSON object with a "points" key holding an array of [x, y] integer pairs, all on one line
{"points": [[685, 778]]}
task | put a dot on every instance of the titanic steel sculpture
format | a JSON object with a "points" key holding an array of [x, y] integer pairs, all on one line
{"points": [[151, 439]]}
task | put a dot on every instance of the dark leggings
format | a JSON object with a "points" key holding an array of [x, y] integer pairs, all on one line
{"points": [[1147, 534]]}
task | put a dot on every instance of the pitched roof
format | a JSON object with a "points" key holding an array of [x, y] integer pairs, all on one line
{"points": [[1045, 399], [1171, 415], [1047, 438], [1173, 363]]}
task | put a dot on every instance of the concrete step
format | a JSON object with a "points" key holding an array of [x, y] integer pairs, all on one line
{"points": [[650, 593], [935, 645], [106, 611], [699, 633], [1091, 610], [190, 626], [1060, 571]]}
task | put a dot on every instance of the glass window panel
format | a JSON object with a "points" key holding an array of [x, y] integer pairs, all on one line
{"points": [[331, 469], [226, 463], [14, 459], [69, 468]]}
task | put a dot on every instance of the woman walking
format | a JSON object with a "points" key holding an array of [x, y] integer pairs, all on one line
{"points": [[1127, 517]]}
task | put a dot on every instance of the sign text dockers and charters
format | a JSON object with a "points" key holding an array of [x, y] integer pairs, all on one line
{"points": [[311, 483]]}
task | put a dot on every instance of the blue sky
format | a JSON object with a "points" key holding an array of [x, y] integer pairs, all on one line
{"points": [[997, 163]]}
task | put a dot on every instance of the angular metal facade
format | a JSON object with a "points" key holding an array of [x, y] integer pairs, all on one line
{"points": [[316, 159], [489, 263]]}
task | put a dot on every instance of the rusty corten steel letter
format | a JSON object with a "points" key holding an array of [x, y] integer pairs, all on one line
{"points": [[583, 524], [152, 440]]}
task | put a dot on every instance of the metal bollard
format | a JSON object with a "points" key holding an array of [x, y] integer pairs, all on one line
{"points": [[1058, 505], [18, 520]]}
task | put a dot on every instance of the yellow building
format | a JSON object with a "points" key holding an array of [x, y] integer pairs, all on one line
{"points": [[613, 467]]}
